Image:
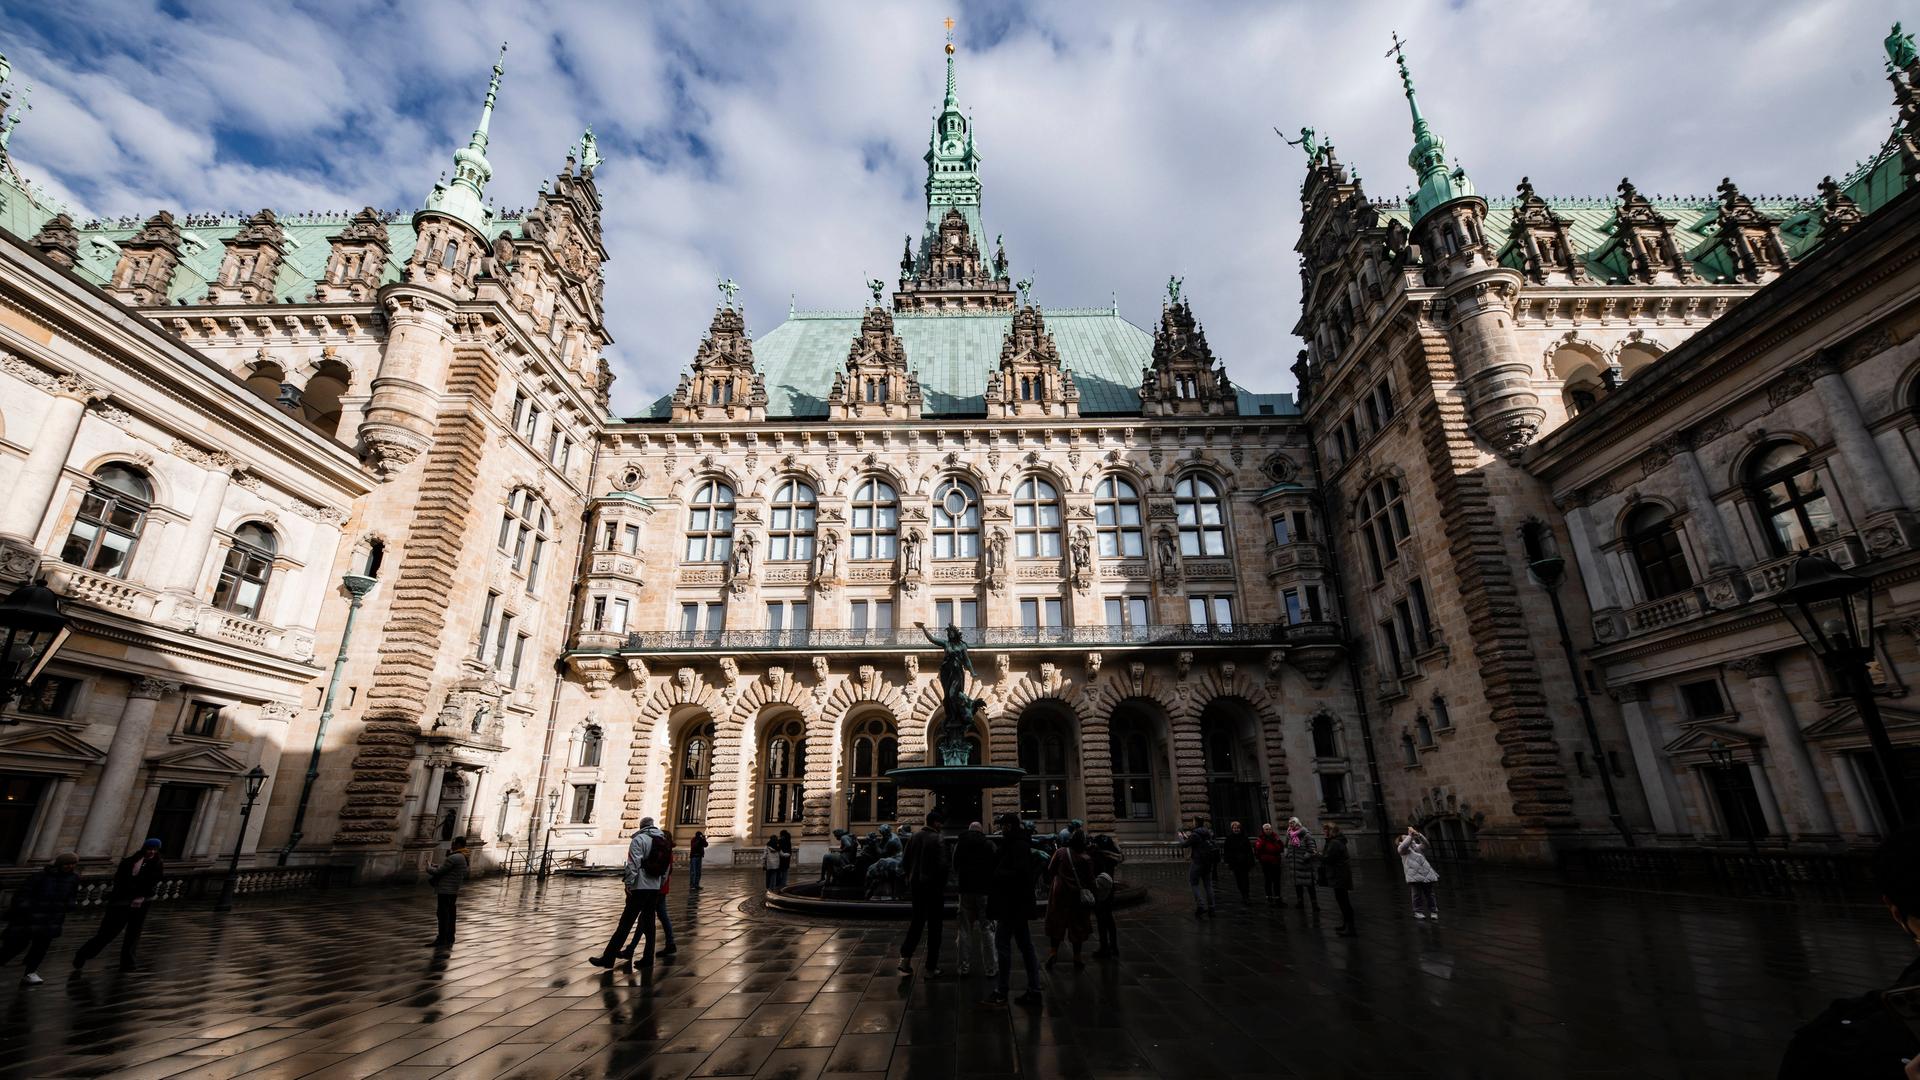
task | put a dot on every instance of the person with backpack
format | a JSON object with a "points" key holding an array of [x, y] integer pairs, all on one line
{"points": [[924, 865], [973, 869], [1070, 898], [696, 855], [1237, 851], [1204, 855], [39, 913], [649, 855], [770, 862], [1303, 855], [1010, 905], [666, 923], [1271, 854], [1107, 858]]}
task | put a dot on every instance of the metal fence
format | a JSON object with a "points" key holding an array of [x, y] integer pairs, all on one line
{"points": [[199, 885], [984, 637], [1741, 869]]}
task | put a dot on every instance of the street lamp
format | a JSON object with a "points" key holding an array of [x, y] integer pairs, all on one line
{"points": [[1550, 570], [255, 779], [357, 586], [1833, 612], [32, 629], [553, 817]]}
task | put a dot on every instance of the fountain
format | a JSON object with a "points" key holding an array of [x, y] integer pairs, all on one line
{"points": [[957, 785]]}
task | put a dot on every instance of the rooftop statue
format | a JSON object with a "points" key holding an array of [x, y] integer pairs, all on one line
{"points": [[1305, 142], [1901, 53], [876, 287], [1173, 289]]}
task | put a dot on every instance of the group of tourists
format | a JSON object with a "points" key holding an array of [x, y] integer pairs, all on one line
{"points": [[1296, 858], [38, 912]]}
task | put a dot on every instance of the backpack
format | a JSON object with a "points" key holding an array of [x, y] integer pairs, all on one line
{"points": [[1206, 850], [659, 856]]}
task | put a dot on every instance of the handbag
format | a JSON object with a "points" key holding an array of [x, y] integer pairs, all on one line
{"points": [[1086, 895]]}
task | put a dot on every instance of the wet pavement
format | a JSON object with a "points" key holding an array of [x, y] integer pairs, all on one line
{"points": [[1525, 976]]}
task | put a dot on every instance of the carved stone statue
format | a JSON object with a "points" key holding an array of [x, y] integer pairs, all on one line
{"points": [[743, 547], [826, 560], [1173, 289], [910, 552], [1081, 547], [956, 704], [1900, 50], [1166, 555], [480, 716], [997, 558]]}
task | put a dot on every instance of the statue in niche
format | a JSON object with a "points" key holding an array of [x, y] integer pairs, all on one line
{"points": [[910, 552]]}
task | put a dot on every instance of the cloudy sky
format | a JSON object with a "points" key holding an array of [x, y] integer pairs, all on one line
{"points": [[780, 143]]}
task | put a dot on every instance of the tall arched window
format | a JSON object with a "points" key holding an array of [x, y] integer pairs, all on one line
{"points": [[1131, 746], [1325, 744], [876, 751], [108, 526], [1116, 517], [710, 523], [591, 741], [1793, 509], [790, 526], [524, 529], [783, 771], [956, 521], [1044, 791], [1656, 551], [1036, 519], [1203, 529], [695, 776], [876, 520], [1383, 525], [243, 577]]}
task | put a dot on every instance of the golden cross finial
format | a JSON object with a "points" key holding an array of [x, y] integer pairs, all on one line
{"points": [[949, 24]]}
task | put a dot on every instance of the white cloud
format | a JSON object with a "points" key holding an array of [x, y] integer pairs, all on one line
{"points": [[1121, 142]]}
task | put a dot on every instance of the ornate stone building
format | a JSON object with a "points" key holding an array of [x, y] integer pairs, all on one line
{"points": [[228, 440]]}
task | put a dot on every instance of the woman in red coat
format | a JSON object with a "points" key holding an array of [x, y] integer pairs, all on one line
{"points": [[1270, 852], [1068, 919]]}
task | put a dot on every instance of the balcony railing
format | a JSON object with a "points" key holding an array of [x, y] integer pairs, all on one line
{"points": [[1666, 611], [983, 637]]}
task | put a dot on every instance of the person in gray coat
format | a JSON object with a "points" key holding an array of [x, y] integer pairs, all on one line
{"points": [[446, 880]]}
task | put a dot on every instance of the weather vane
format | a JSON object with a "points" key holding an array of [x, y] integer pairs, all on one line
{"points": [[727, 289], [949, 25]]}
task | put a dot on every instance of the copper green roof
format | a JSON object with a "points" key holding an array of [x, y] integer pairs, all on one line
{"points": [[953, 354]]}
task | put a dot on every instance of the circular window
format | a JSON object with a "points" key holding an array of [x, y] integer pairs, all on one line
{"points": [[956, 502]]}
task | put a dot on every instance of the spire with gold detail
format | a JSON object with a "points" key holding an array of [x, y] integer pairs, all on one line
{"points": [[465, 196], [1428, 158]]}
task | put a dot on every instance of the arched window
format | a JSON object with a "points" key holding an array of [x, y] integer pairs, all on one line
{"points": [[783, 771], [956, 521], [591, 741], [1044, 792], [448, 256], [1656, 551], [695, 775], [1793, 509], [876, 751], [108, 526], [1131, 747], [1325, 744], [524, 529], [1383, 525], [876, 520], [790, 528], [1203, 529], [1036, 519], [243, 577], [710, 523], [1116, 517]]}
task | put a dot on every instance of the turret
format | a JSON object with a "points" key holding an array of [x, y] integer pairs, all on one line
{"points": [[252, 261], [950, 273], [1447, 214]]}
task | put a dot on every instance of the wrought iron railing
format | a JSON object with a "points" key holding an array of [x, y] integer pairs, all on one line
{"points": [[984, 637], [200, 884]]}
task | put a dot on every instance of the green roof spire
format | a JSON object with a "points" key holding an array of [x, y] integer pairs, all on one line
{"points": [[953, 178], [465, 197], [1428, 158]]}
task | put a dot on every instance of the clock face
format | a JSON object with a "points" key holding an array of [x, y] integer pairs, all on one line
{"points": [[951, 147]]}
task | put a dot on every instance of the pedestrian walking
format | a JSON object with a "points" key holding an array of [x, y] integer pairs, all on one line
{"points": [[1237, 849], [649, 856], [1070, 898], [1336, 865], [1271, 853], [923, 866], [666, 922], [696, 855], [1203, 856], [127, 902], [973, 873], [770, 862], [446, 880], [786, 856], [1303, 857], [1420, 874], [1010, 905], [1107, 858], [38, 914]]}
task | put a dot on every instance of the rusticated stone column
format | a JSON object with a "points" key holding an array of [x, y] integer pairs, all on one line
{"points": [[1806, 807], [106, 814]]}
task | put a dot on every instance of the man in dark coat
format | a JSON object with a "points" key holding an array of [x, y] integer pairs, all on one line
{"points": [[924, 865], [446, 880], [1237, 849], [1860, 1036], [133, 884], [1336, 862], [1010, 905], [38, 914], [973, 867]]}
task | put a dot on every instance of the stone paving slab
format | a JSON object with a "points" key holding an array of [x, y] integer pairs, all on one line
{"points": [[1526, 977]]}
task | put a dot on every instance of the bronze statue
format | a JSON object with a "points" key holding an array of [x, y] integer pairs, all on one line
{"points": [[957, 705]]}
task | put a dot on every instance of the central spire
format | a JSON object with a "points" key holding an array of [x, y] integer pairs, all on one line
{"points": [[953, 179], [1428, 158], [465, 196]]}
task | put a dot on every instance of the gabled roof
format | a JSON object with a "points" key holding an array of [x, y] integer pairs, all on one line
{"points": [[953, 355]]}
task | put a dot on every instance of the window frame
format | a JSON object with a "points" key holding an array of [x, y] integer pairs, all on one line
{"points": [[1199, 537], [1037, 518], [105, 500], [1797, 502], [874, 520], [709, 532], [792, 521], [1119, 522], [955, 536], [228, 585]]}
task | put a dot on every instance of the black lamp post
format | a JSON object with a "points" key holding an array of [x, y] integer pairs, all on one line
{"points": [[1833, 612], [32, 629], [553, 816], [1551, 570], [255, 779]]}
